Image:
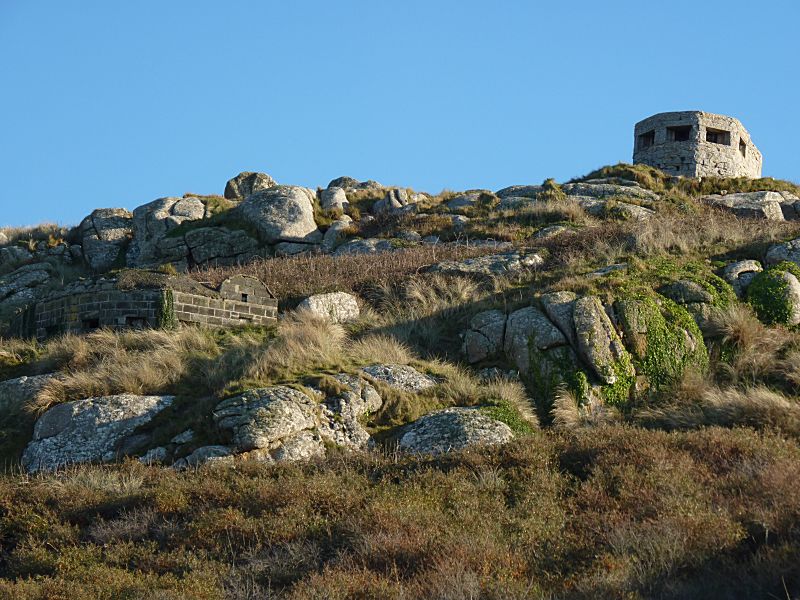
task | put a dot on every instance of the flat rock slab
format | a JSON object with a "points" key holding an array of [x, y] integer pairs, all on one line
{"points": [[754, 205]]}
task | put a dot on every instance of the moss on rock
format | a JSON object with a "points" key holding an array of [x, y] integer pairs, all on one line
{"points": [[663, 338], [769, 294]]}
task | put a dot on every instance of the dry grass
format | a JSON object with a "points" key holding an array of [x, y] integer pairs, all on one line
{"points": [[43, 232], [757, 407], [297, 276], [108, 362]]}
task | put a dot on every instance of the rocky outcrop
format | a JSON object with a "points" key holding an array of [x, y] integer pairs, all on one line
{"points": [[598, 343], [247, 183], [151, 224], [25, 284], [336, 234], [104, 234], [754, 205], [610, 190], [520, 191], [527, 330], [220, 246], [88, 430], [395, 201], [453, 429], [283, 213], [336, 307], [281, 423]]}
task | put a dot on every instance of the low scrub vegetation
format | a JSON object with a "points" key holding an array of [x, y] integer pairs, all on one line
{"points": [[612, 512]]}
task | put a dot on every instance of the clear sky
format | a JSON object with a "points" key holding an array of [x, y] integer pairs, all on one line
{"points": [[106, 103]]}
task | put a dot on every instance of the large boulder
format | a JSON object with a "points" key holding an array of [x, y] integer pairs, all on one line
{"points": [[599, 345], [88, 430], [463, 202], [755, 205], [490, 265], [151, 224], [219, 245], [283, 213], [14, 254], [337, 233], [336, 307], [344, 182], [395, 201], [453, 429], [104, 234], [484, 339], [333, 199], [247, 183], [560, 307], [264, 418]]}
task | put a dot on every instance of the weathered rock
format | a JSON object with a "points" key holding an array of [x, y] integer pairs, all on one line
{"points": [[485, 336], [520, 191], [529, 328], [264, 418], [336, 234], [246, 183], [685, 291], [607, 270], [516, 203], [740, 274], [545, 233], [219, 245], [283, 213], [333, 199], [755, 205], [367, 246], [490, 265], [15, 393], [151, 224], [560, 307], [104, 234], [453, 429], [401, 377], [598, 343], [154, 456], [341, 412], [24, 284], [184, 437], [467, 200], [88, 430], [394, 201], [14, 254], [602, 208], [293, 248], [344, 183], [205, 454], [336, 307], [789, 251]]}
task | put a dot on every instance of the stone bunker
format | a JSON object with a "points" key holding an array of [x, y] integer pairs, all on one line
{"points": [[143, 299], [696, 144]]}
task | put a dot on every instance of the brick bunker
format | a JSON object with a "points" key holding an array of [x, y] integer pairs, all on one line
{"points": [[147, 300], [696, 144]]}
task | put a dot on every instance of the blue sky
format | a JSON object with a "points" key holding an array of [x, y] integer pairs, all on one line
{"points": [[106, 104]]}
